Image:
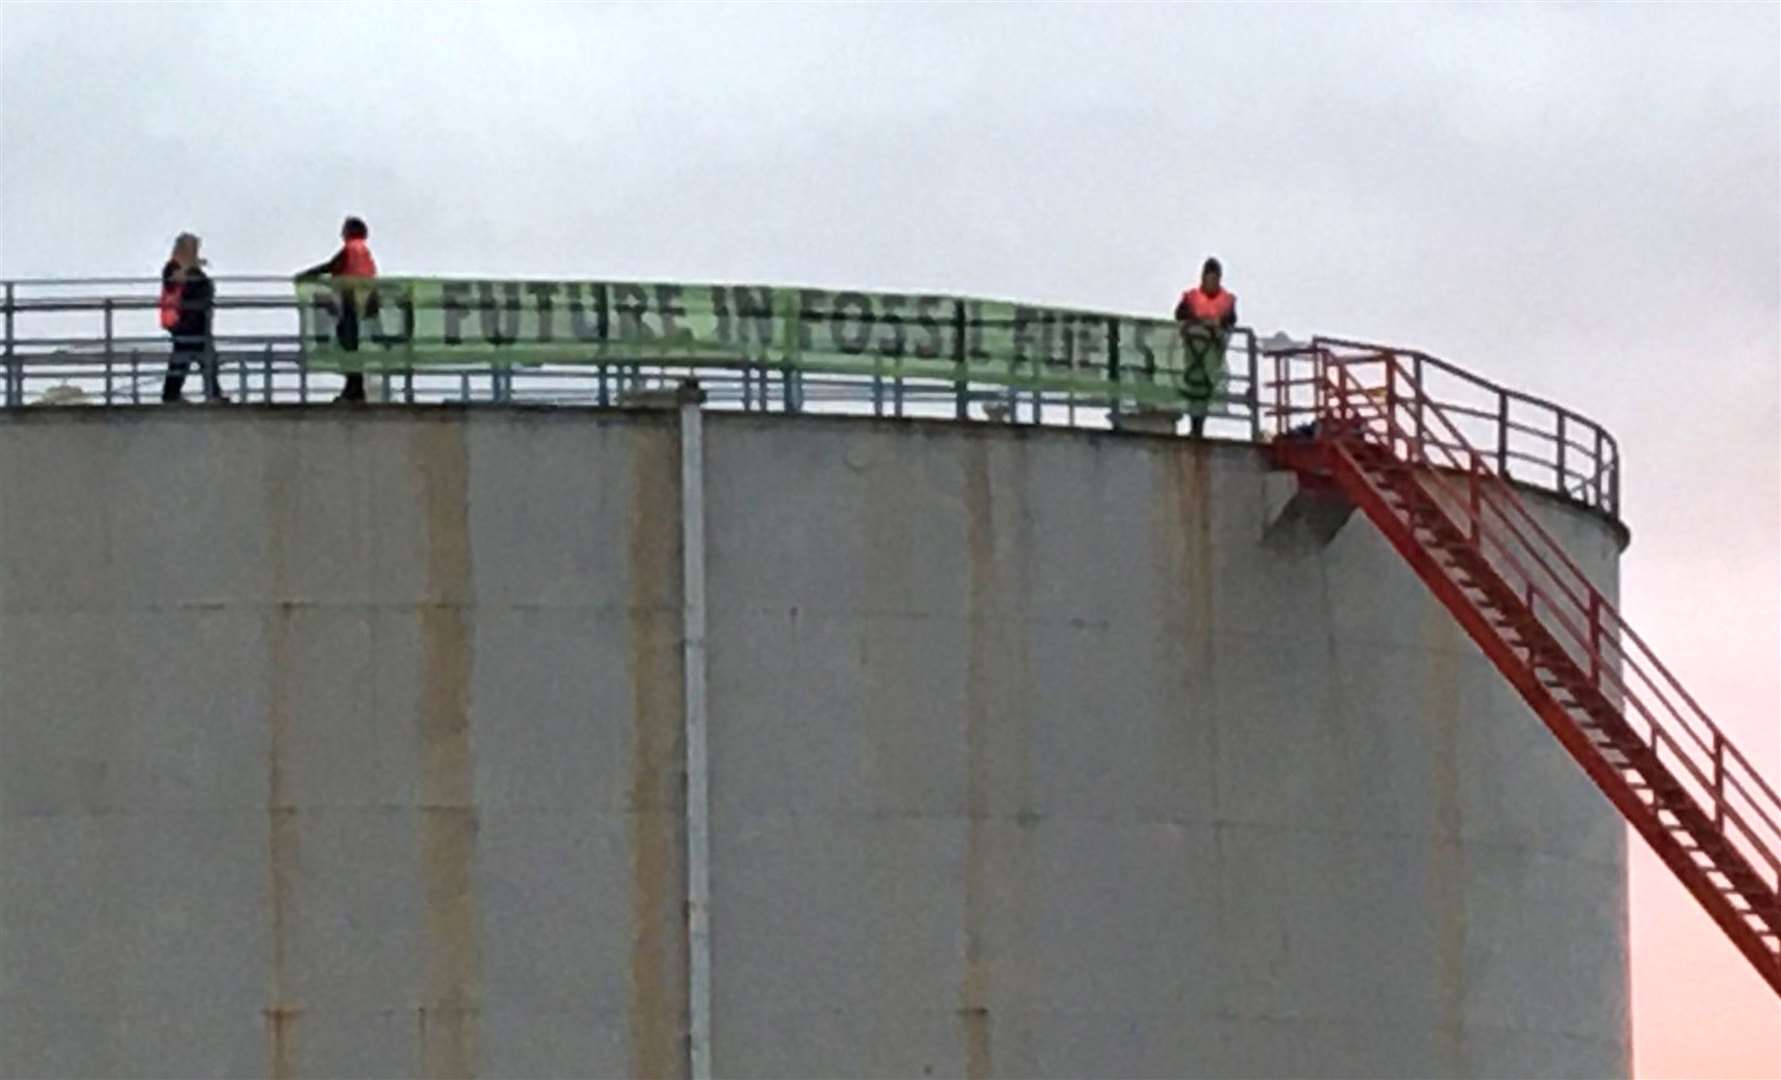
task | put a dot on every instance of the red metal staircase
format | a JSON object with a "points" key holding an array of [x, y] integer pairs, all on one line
{"points": [[1371, 432]]}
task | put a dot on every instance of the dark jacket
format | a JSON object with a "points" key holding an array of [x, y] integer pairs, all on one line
{"points": [[197, 301]]}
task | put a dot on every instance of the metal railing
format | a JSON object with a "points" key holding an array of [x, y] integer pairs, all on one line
{"points": [[97, 341], [1378, 394], [1526, 439], [87, 341]]}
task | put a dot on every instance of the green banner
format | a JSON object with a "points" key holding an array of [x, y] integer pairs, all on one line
{"points": [[396, 324]]}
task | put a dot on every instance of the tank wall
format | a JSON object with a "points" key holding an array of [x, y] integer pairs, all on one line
{"points": [[350, 744], [1111, 787]]}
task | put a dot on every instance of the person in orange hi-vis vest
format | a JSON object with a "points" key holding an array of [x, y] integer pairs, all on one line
{"points": [[353, 260], [1206, 315], [187, 306]]}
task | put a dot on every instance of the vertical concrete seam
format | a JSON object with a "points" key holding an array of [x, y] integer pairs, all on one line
{"points": [[281, 1013], [281, 850], [1441, 639], [450, 1012], [980, 643]]}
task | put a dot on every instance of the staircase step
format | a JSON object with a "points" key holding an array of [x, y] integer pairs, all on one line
{"points": [[1442, 539], [1451, 559], [1751, 894]]}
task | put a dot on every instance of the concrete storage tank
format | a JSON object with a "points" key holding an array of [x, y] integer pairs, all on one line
{"points": [[352, 742]]}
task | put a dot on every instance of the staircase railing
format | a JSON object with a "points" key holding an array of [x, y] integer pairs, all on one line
{"points": [[1529, 439], [1375, 396]]}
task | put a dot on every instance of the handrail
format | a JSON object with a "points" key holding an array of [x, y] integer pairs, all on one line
{"points": [[58, 321], [1598, 444], [1594, 597], [1660, 736], [150, 282], [1582, 467], [1455, 370], [1599, 604], [1733, 791]]}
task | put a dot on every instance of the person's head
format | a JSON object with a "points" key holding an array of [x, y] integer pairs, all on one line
{"points": [[355, 229], [185, 249], [1211, 274]]}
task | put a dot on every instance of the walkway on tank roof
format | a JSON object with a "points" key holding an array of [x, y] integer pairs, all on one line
{"points": [[780, 349]]}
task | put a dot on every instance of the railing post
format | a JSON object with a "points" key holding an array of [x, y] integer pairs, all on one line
{"points": [[1562, 441], [1502, 435], [960, 384], [1255, 393], [1113, 372], [794, 352], [877, 384], [1595, 638], [1718, 781], [1417, 390], [1281, 423], [1614, 486], [12, 373], [1320, 392], [108, 347], [1391, 407], [1476, 505], [1600, 464]]}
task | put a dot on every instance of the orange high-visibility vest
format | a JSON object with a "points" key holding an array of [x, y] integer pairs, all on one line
{"points": [[170, 296], [1209, 308], [356, 260]]}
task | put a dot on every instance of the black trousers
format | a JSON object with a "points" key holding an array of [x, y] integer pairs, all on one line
{"points": [[346, 332], [186, 348]]}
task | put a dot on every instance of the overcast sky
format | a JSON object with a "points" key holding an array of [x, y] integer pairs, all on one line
{"points": [[1583, 202]]}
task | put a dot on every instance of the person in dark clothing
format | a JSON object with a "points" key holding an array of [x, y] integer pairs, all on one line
{"points": [[353, 260], [1205, 316], [192, 296], [1211, 304]]}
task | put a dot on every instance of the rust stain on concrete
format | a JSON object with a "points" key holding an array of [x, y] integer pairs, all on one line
{"points": [[981, 645], [1440, 641], [280, 1037], [1193, 502], [281, 1013], [1183, 551], [656, 1012], [451, 1008]]}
